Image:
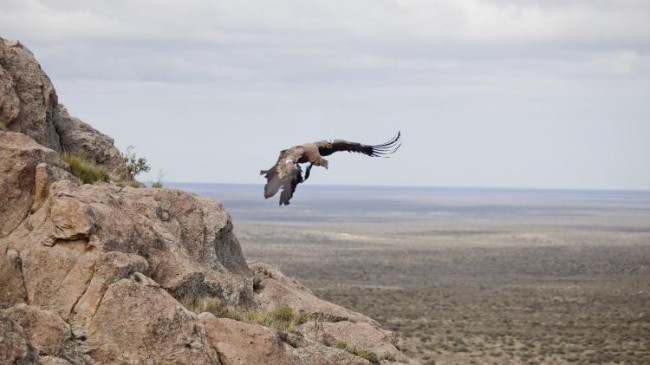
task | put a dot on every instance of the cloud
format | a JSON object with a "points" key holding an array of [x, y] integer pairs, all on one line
{"points": [[322, 21], [465, 74], [624, 62]]}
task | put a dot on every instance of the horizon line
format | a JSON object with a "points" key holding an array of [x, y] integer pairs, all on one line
{"points": [[647, 191]]}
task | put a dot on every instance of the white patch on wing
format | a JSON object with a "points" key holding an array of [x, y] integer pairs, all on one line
{"points": [[288, 160]]}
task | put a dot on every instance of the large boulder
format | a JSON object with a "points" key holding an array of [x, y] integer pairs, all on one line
{"points": [[14, 346], [83, 235], [29, 105], [80, 139], [241, 343], [43, 329], [22, 178], [103, 269], [28, 102], [138, 320]]}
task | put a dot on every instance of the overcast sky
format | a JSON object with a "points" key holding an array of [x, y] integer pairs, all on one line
{"points": [[487, 93]]}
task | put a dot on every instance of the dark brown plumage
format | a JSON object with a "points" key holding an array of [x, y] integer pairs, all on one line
{"points": [[286, 174]]}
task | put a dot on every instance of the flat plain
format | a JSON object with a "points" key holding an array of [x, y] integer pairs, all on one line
{"points": [[469, 276]]}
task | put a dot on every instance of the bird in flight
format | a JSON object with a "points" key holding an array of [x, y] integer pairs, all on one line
{"points": [[287, 173]]}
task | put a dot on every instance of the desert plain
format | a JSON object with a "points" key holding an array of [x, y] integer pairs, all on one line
{"points": [[472, 276]]}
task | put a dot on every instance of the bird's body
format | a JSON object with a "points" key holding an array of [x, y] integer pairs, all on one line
{"points": [[287, 173]]}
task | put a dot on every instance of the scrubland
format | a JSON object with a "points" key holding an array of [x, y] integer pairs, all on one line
{"points": [[558, 285]]}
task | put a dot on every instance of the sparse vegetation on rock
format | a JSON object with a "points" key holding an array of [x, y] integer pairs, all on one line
{"points": [[158, 184], [87, 172], [134, 165], [283, 318]]}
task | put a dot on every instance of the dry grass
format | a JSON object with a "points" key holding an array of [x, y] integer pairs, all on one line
{"points": [[283, 318], [86, 171], [202, 304], [361, 352]]}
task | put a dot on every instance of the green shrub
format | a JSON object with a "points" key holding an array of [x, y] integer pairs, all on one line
{"points": [[284, 314], [87, 172], [134, 165], [3, 127]]}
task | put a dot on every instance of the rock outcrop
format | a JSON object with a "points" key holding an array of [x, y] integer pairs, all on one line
{"points": [[29, 105], [103, 274]]}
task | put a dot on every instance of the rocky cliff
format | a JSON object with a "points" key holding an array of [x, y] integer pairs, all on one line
{"points": [[107, 274]]}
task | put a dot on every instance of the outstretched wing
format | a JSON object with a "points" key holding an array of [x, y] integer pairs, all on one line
{"points": [[326, 148], [292, 177], [285, 174]]}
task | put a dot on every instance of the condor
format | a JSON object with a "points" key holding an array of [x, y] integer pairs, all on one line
{"points": [[287, 173]]}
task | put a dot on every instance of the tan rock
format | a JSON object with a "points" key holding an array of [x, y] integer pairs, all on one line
{"points": [[138, 321], [276, 290], [19, 157], [80, 139], [29, 101], [29, 105], [52, 360], [108, 268], [313, 353], [12, 286], [43, 329], [14, 346], [360, 336], [241, 343], [54, 278], [187, 242]]}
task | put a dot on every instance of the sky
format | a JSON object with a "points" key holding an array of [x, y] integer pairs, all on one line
{"points": [[486, 93]]}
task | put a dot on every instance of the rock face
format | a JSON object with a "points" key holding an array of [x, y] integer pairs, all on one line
{"points": [[20, 157], [14, 345], [29, 105], [28, 101], [103, 274]]}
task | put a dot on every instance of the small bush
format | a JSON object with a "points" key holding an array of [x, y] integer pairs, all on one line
{"points": [[267, 273], [134, 165], [87, 172], [3, 127], [159, 184], [284, 314]]}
